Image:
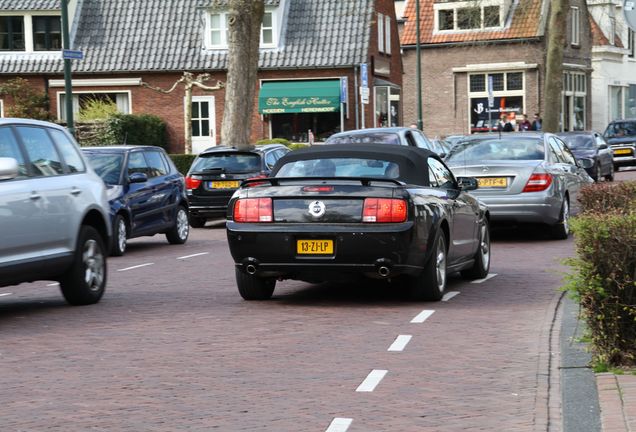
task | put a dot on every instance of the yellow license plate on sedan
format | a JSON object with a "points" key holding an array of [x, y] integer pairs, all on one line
{"points": [[314, 247], [492, 182], [622, 151], [224, 184]]}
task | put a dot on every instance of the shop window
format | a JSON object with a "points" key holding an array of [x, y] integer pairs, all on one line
{"points": [[12, 33], [497, 82], [47, 33], [514, 81], [478, 83]]}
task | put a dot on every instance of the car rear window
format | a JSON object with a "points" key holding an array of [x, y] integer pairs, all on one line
{"points": [[620, 129], [579, 142], [497, 149], [340, 167], [370, 138], [106, 165], [227, 162]]}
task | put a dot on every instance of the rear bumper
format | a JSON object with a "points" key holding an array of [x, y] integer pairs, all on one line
{"points": [[524, 208], [363, 252]]}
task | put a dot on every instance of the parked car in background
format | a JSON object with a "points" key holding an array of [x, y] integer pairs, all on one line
{"points": [[453, 139], [146, 193], [523, 177], [218, 171], [54, 222], [351, 211], [591, 145], [392, 135], [621, 136], [442, 147]]}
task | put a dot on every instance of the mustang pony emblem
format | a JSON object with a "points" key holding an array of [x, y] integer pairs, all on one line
{"points": [[317, 208]]}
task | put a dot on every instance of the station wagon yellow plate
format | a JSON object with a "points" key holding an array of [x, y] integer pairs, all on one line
{"points": [[622, 151], [486, 182], [224, 184], [314, 247]]}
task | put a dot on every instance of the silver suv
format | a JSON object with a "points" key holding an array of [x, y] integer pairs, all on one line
{"points": [[53, 212]]}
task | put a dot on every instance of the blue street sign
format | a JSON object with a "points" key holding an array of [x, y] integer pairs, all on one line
{"points": [[68, 54], [364, 75], [343, 89]]}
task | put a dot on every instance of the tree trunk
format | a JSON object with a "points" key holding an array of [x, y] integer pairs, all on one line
{"points": [[552, 97], [244, 32]]}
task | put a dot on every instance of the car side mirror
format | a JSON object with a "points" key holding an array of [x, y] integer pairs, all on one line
{"points": [[602, 146], [8, 168], [585, 163], [137, 178], [467, 183]]}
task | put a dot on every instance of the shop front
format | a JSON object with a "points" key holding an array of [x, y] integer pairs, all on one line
{"points": [[299, 109]]}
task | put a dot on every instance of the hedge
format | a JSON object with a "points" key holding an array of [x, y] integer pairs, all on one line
{"points": [[182, 161], [604, 281], [139, 129]]}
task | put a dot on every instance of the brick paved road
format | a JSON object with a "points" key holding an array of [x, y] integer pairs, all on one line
{"points": [[172, 347]]}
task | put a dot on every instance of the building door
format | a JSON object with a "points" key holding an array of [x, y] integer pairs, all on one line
{"points": [[203, 123]]}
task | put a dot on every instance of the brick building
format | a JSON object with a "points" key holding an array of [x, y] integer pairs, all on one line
{"points": [[465, 46], [310, 58]]}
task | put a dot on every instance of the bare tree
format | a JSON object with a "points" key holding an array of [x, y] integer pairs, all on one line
{"points": [[244, 30], [554, 65], [189, 81]]}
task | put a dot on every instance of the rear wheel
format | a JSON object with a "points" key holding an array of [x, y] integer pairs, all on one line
{"points": [[610, 175], [253, 287], [197, 222], [430, 284], [120, 236], [561, 230], [178, 234], [84, 283], [480, 268], [597, 172]]}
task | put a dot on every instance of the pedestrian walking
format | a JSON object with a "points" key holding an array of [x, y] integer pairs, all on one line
{"points": [[536, 123], [525, 124], [505, 125]]}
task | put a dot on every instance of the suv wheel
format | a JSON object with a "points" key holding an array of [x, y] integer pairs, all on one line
{"points": [[178, 234], [120, 236], [85, 281]]}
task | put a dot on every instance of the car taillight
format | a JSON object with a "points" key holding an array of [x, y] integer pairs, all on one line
{"points": [[384, 210], [256, 177], [538, 182], [253, 210], [192, 182]]}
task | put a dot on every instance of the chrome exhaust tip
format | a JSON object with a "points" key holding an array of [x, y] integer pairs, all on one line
{"points": [[384, 271], [250, 269]]}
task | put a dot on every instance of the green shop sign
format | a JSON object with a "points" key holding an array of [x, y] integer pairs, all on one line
{"points": [[299, 97]]}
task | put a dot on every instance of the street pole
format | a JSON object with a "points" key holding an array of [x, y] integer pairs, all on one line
{"points": [[418, 55], [68, 82]]}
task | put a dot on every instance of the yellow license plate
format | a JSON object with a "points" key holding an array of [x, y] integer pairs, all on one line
{"points": [[224, 184], [622, 151], [314, 247], [486, 182]]}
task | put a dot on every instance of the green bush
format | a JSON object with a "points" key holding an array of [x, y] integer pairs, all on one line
{"points": [[26, 101], [273, 141], [296, 146], [139, 129], [604, 281], [97, 109], [182, 161]]}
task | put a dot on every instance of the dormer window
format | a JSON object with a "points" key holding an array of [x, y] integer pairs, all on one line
{"points": [[31, 32], [216, 30], [470, 15], [11, 33]]}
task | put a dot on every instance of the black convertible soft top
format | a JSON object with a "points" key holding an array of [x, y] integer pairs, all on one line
{"points": [[412, 161]]}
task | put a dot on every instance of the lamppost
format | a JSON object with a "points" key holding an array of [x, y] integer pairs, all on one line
{"points": [[68, 86], [418, 55]]}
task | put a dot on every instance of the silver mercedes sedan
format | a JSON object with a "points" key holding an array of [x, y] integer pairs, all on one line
{"points": [[523, 177]]}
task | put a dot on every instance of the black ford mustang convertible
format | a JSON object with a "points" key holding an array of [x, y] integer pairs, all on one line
{"points": [[338, 212]]}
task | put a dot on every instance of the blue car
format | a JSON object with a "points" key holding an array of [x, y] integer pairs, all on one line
{"points": [[145, 191]]}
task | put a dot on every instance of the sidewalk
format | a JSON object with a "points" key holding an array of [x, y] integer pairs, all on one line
{"points": [[591, 402]]}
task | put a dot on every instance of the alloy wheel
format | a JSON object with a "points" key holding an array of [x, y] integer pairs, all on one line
{"points": [[93, 261]]}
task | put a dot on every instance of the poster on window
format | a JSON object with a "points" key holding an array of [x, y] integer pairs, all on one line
{"points": [[480, 114]]}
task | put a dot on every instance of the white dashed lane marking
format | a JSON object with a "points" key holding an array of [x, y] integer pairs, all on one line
{"points": [[449, 295], [400, 343], [5, 294], [134, 267], [490, 276], [193, 255], [372, 380], [339, 424], [422, 316]]}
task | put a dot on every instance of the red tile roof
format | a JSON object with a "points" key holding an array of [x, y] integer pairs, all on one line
{"points": [[599, 38], [526, 23]]}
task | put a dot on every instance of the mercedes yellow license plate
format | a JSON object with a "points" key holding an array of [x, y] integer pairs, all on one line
{"points": [[486, 182], [314, 247], [224, 184], [622, 151]]}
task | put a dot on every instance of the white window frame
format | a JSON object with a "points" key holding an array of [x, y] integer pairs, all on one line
{"points": [[496, 93], [387, 32], [224, 33], [60, 93], [28, 30], [455, 6], [575, 24], [1, 108], [574, 85], [273, 28], [380, 32]]}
